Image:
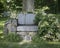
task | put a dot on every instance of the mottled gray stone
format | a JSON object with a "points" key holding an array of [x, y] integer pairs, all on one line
{"points": [[27, 28], [28, 5], [10, 25], [27, 18], [27, 35], [14, 25]]}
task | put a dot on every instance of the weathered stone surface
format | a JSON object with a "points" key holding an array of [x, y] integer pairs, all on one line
{"points": [[27, 35], [26, 18], [14, 25], [10, 26], [27, 28], [28, 5], [7, 26]]}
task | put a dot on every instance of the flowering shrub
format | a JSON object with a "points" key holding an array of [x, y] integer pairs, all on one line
{"points": [[48, 27]]}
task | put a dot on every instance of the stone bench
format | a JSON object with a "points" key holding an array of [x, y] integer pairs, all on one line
{"points": [[27, 28], [25, 24]]}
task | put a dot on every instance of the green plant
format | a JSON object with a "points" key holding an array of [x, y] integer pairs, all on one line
{"points": [[1, 36], [37, 39], [48, 27], [13, 37], [39, 16]]}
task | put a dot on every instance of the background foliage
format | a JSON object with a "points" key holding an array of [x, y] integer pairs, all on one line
{"points": [[17, 5]]}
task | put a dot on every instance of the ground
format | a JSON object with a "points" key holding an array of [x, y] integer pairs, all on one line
{"points": [[29, 45]]}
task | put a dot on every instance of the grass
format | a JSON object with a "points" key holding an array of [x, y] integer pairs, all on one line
{"points": [[9, 45], [31, 45]]}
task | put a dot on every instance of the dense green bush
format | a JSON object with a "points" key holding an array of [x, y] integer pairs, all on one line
{"points": [[58, 16], [48, 26], [37, 18], [13, 37], [39, 15]]}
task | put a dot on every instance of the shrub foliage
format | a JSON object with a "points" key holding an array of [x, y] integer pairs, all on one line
{"points": [[48, 26]]}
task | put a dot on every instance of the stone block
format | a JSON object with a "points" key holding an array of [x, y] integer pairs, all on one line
{"points": [[10, 26]]}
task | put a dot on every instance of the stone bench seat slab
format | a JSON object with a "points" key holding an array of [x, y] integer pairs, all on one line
{"points": [[27, 28]]}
